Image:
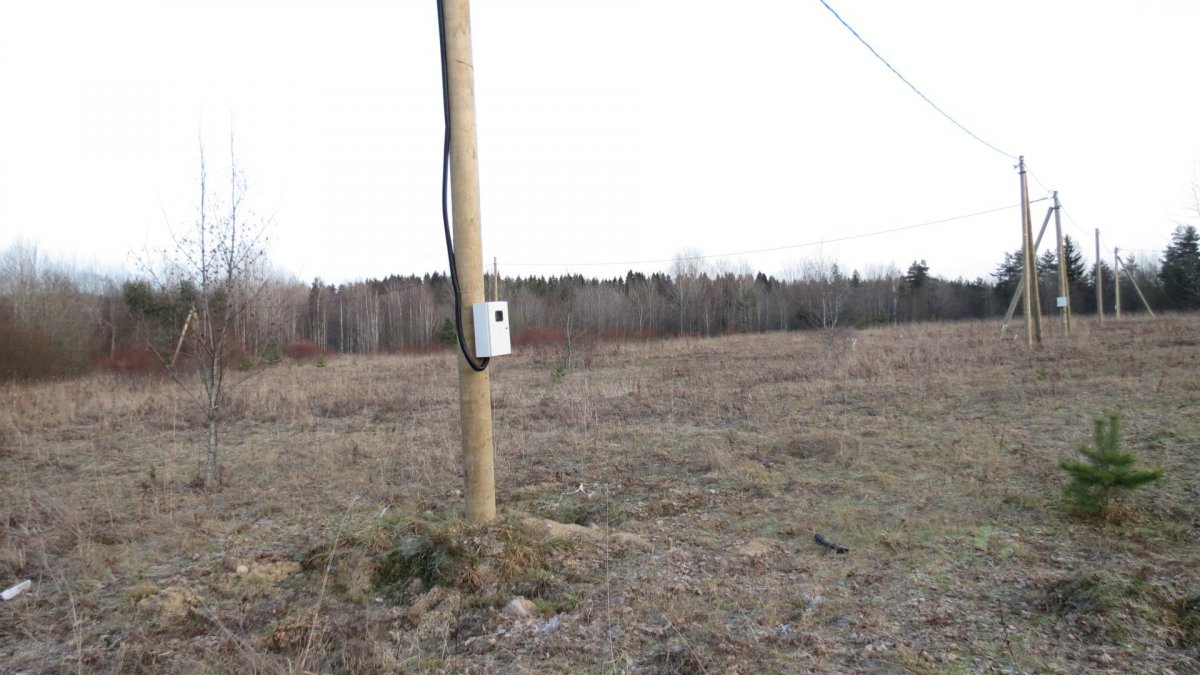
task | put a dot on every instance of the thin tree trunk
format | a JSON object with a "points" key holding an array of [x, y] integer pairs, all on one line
{"points": [[210, 465]]}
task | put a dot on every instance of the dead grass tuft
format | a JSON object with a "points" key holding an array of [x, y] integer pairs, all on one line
{"points": [[819, 445], [1187, 614]]}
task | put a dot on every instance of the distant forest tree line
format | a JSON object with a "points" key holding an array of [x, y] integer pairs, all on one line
{"points": [[56, 320]]}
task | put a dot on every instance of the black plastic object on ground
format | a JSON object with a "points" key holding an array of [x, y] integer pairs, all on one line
{"points": [[836, 548]]}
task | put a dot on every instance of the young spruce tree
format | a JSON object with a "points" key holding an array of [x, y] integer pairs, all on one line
{"points": [[1108, 469]]}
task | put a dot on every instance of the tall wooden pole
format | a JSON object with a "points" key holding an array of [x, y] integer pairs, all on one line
{"points": [[475, 399], [1064, 284], [1033, 326], [1117, 278], [1099, 280], [1026, 241]]}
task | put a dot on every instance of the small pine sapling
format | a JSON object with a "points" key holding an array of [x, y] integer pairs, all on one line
{"points": [[1108, 469], [448, 333]]}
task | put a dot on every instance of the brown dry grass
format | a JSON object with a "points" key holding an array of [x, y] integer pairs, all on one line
{"points": [[705, 467]]}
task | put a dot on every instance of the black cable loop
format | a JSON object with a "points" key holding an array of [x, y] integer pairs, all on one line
{"points": [[481, 364]]}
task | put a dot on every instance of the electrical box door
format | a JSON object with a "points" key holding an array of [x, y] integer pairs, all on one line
{"points": [[491, 329]]}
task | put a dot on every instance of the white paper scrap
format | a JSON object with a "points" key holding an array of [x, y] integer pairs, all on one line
{"points": [[14, 591]]}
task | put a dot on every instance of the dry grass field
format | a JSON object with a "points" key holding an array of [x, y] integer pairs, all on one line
{"points": [[658, 504]]}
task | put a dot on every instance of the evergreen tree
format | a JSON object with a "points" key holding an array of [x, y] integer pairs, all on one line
{"points": [[1008, 275], [1180, 272], [1108, 469], [917, 275], [1076, 269], [1106, 281], [764, 281], [1048, 262], [918, 295], [447, 334], [1047, 279], [1047, 265]]}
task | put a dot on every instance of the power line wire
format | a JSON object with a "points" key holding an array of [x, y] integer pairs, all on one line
{"points": [[1104, 243], [912, 86], [1104, 247], [1071, 221], [776, 248], [931, 103], [1036, 179]]}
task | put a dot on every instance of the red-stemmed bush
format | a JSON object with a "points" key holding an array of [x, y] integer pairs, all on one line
{"points": [[539, 336], [132, 361], [304, 350]]}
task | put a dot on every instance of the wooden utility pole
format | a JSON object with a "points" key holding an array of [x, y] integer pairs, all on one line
{"points": [[1117, 279], [1017, 294], [1064, 284], [1099, 280], [475, 398], [1033, 324]]}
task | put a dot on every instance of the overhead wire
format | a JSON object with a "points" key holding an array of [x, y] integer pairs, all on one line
{"points": [[912, 86], [1037, 180], [953, 121], [933, 105], [1078, 227], [1062, 209], [1072, 221], [776, 248], [1104, 246]]}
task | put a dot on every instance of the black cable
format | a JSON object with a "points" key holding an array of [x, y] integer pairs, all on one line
{"points": [[477, 365]]}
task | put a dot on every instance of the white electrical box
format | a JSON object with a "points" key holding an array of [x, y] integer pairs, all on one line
{"points": [[491, 329]]}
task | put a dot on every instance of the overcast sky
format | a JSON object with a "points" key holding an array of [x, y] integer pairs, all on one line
{"points": [[613, 131]]}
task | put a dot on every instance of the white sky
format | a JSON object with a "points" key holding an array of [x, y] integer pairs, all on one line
{"points": [[609, 130]]}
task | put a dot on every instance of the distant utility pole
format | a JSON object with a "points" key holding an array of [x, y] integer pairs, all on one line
{"points": [[495, 279], [1117, 279], [1099, 280], [475, 397], [1033, 324], [1064, 284]]}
